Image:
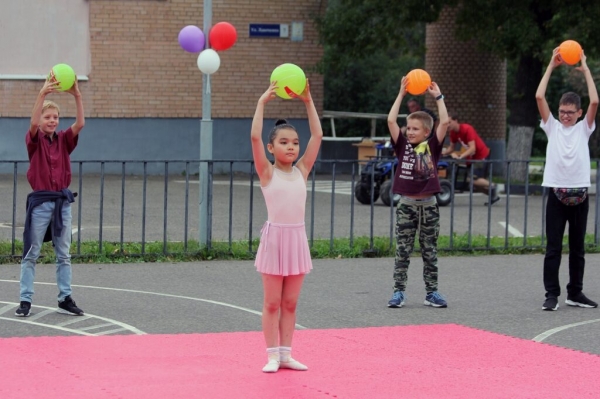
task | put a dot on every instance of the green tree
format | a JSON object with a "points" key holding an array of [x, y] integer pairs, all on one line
{"points": [[366, 78], [364, 85], [523, 31]]}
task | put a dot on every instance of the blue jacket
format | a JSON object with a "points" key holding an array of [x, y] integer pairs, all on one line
{"points": [[55, 227]]}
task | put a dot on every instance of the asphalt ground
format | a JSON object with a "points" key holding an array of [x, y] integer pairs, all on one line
{"points": [[499, 293]]}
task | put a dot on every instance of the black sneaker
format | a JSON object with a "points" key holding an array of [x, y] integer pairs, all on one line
{"points": [[550, 304], [69, 307], [24, 309], [495, 197], [580, 300]]}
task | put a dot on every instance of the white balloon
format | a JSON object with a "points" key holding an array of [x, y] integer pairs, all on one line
{"points": [[209, 61]]}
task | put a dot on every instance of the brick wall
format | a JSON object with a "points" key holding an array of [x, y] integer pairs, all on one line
{"points": [[473, 83], [139, 70]]}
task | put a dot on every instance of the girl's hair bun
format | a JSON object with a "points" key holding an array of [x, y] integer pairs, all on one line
{"points": [[279, 125]]}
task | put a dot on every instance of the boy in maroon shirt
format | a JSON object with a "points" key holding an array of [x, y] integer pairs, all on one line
{"points": [[49, 205], [417, 182]]}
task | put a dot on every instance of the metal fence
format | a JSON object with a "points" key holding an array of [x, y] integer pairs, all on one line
{"points": [[159, 214]]}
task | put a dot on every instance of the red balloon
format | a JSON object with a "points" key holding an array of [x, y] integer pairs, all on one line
{"points": [[222, 36]]}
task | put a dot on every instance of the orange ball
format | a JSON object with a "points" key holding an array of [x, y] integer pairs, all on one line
{"points": [[570, 52], [418, 81]]}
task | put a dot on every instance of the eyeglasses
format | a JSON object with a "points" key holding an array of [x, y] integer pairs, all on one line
{"points": [[567, 113]]}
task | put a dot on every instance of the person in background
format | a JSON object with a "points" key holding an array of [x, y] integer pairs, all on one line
{"points": [[473, 148]]}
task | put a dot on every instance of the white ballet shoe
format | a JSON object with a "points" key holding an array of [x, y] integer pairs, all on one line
{"points": [[292, 364], [271, 367]]}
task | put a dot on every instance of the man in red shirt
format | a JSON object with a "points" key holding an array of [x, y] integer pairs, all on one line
{"points": [[474, 149]]}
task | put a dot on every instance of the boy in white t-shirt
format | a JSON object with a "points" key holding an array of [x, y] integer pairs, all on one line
{"points": [[567, 175]]}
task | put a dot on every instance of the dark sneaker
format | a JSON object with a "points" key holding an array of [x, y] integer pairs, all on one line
{"points": [[436, 300], [69, 307], [550, 304], [495, 197], [397, 300], [24, 309], [581, 300]]}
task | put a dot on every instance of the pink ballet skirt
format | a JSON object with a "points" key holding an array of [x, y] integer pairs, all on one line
{"points": [[283, 250]]}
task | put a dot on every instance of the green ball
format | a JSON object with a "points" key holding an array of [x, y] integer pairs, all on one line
{"points": [[290, 80], [64, 74]]}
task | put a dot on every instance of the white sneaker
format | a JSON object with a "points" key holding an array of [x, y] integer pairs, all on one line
{"points": [[292, 364], [271, 367]]}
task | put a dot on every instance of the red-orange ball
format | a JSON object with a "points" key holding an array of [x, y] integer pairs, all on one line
{"points": [[570, 52], [418, 81]]}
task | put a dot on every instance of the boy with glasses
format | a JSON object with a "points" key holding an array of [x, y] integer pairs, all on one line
{"points": [[567, 175]]}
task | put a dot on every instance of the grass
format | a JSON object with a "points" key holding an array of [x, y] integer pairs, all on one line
{"points": [[110, 252]]}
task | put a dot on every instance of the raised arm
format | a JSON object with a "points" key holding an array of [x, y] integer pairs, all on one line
{"points": [[80, 118], [590, 115], [442, 128], [261, 162], [392, 119], [540, 94], [307, 161], [36, 113]]}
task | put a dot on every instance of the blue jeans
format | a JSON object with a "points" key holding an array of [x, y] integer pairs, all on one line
{"points": [[40, 219]]}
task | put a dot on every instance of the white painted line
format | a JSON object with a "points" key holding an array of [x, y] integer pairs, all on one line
{"points": [[76, 319], [109, 331], [298, 326], [36, 316], [546, 334], [229, 305], [116, 322], [511, 229], [96, 326], [6, 308], [24, 320], [73, 320]]}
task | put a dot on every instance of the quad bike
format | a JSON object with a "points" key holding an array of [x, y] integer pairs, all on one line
{"points": [[461, 181], [377, 176], [379, 171]]}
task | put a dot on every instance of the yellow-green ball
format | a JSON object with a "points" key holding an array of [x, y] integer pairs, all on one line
{"points": [[291, 80], [64, 74]]}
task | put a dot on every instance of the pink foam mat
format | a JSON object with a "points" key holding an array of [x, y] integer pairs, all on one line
{"points": [[429, 361]]}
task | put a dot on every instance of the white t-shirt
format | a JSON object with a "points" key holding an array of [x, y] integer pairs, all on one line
{"points": [[567, 154]]}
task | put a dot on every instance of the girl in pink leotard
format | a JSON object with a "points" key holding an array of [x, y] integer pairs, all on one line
{"points": [[283, 256]]}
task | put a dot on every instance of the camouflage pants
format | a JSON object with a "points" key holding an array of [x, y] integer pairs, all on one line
{"points": [[424, 216]]}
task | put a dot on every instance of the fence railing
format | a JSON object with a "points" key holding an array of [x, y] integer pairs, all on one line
{"points": [[145, 213]]}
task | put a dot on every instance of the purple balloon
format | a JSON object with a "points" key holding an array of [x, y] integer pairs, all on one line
{"points": [[191, 39]]}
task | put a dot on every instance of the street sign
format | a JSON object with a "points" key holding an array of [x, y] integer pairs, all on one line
{"points": [[268, 30]]}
